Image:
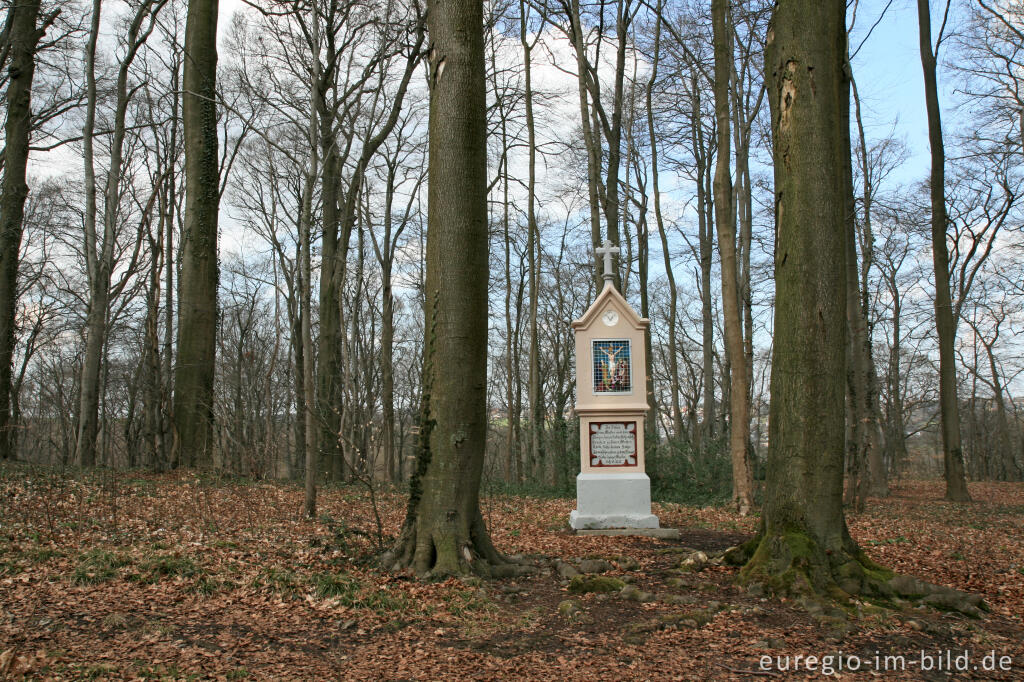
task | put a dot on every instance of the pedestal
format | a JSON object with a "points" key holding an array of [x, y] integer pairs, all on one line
{"points": [[620, 500]]}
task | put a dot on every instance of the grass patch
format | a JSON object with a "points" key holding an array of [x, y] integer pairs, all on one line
{"points": [[161, 672], [97, 566], [280, 580], [466, 602], [207, 585], [899, 540], [336, 585], [350, 592], [154, 569]]}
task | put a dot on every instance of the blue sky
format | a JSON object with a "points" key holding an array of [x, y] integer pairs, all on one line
{"points": [[890, 81]]}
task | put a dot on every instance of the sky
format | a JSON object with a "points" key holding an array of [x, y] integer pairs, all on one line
{"points": [[890, 81]]}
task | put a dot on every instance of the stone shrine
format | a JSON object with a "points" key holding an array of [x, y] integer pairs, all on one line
{"points": [[612, 488]]}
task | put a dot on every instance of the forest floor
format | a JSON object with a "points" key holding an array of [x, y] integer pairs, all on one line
{"points": [[177, 576]]}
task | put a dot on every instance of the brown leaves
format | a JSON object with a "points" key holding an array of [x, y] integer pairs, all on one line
{"points": [[225, 581]]}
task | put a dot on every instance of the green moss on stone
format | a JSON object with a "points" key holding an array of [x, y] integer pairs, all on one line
{"points": [[581, 584]]}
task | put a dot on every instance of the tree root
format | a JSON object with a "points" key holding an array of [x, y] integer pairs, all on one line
{"points": [[793, 565], [437, 553]]}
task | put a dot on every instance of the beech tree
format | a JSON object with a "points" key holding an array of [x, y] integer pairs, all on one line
{"points": [[100, 240], [197, 304], [444, 532], [804, 544], [725, 222], [945, 321], [21, 37]]}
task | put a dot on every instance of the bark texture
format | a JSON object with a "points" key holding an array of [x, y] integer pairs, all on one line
{"points": [[444, 531], [804, 545], [197, 311]]}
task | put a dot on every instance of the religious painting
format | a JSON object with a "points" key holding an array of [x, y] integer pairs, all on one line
{"points": [[613, 444], [612, 366]]}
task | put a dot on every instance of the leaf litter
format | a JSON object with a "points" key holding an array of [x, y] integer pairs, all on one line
{"points": [[188, 576]]}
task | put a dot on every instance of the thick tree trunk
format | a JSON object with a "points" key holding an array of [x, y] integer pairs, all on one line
{"points": [[945, 321], [804, 545], [739, 410], [197, 305], [329, 369], [23, 38], [444, 531]]}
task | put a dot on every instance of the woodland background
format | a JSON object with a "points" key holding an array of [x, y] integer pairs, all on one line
{"points": [[600, 123]]}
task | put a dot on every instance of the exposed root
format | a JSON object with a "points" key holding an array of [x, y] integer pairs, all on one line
{"points": [[435, 553], [793, 564]]}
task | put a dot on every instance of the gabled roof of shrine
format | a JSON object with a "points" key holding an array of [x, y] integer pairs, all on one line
{"points": [[610, 297]]}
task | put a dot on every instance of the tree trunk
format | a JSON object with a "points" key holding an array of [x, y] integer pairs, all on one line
{"points": [[591, 139], [533, 250], [804, 546], [856, 383], [739, 419], [673, 294], [673, 300], [945, 322], [387, 336], [329, 373], [444, 532], [197, 304], [706, 239], [88, 412], [309, 404], [23, 38], [877, 481], [100, 254]]}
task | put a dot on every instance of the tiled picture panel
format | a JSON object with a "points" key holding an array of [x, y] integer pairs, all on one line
{"points": [[612, 366]]}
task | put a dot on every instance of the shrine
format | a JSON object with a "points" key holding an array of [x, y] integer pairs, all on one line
{"points": [[612, 489]]}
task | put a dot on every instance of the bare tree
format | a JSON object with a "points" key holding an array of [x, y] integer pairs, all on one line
{"points": [[22, 33]]}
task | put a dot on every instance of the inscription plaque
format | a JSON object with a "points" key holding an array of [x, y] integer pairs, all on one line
{"points": [[613, 444]]}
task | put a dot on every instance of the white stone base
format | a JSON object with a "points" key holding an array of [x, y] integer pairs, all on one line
{"points": [[613, 501]]}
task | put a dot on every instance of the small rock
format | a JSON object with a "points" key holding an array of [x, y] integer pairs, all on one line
{"points": [[581, 584], [695, 562], [567, 570], [595, 566], [633, 593]]}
